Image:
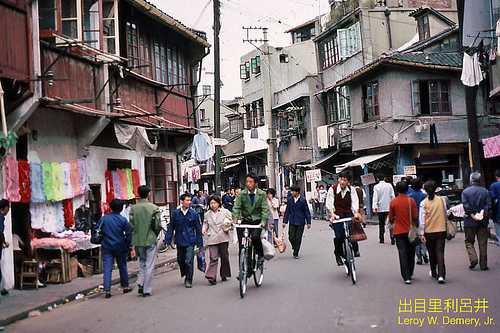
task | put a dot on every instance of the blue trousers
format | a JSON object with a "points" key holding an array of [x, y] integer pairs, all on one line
{"points": [[185, 259], [107, 262]]}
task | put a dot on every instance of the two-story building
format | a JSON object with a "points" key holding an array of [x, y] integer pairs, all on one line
{"points": [[408, 108], [358, 33], [118, 80]]}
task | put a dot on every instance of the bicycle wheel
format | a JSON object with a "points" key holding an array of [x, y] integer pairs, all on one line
{"points": [[349, 257], [258, 274], [243, 272], [353, 272]]}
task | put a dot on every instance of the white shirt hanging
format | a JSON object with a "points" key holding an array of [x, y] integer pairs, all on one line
{"points": [[471, 70]]}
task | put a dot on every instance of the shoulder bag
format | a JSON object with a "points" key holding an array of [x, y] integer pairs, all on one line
{"points": [[413, 232], [451, 227], [96, 236]]}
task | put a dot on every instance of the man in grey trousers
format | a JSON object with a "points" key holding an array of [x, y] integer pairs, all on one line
{"points": [[145, 219]]}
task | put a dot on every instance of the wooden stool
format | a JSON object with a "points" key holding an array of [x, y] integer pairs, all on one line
{"points": [[29, 274]]}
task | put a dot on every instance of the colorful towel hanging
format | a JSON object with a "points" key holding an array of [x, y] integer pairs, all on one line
{"points": [[75, 178], [116, 184], [130, 185], [69, 220], [36, 183], [11, 179], [67, 188], [136, 182], [24, 181], [58, 181], [48, 182], [82, 169], [110, 193], [122, 174]]}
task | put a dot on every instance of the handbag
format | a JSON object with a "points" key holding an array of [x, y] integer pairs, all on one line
{"points": [[413, 232], [200, 260], [227, 226], [357, 232], [451, 227], [96, 236]]}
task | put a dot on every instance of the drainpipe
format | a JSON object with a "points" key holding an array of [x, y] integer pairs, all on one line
{"points": [[2, 111], [387, 14]]}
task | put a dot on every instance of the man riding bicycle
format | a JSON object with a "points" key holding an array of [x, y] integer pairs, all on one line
{"points": [[250, 207], [342, 202]]}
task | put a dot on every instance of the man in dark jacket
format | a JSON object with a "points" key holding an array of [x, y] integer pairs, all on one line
{"points": [[477, 203], [4, 210], [185, 225], [495, 204], [116, 242], [298, 214]]}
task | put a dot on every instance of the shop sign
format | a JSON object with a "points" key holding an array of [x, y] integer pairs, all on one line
{"points": [[397, 178], [410, 170], [313, 175]]}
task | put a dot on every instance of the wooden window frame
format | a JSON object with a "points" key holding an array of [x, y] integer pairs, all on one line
{"points": [[424, 31], [169, 184], [371, 107], [443, 102]]}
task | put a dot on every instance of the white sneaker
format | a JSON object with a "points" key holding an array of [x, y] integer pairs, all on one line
{"points": [[441, 280], [408, 281]]}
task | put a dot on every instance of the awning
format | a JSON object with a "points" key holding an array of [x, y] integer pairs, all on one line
{"points": [[230, 166], [360, 161], [321, 161]]}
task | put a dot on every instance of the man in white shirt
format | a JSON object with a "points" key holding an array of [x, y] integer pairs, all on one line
{"points": [[322, 200], [383, 193], [342, 202]]}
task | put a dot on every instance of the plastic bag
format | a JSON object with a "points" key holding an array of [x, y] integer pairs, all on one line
{"points": [[200, 260]]}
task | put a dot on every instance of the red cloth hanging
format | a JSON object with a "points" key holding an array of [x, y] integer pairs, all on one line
{"points": [[69, 219], [24, 181], [136, 182], [122, 174], [110, 193]]}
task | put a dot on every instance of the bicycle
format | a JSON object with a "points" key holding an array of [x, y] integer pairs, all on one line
{"points": [[348, 258], [246, 250]]}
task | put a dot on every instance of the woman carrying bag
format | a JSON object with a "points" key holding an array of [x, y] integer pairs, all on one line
{"points": [[432, 230], [403, 218], [216, 228]]}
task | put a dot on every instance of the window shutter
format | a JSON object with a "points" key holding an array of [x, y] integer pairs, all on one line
{"points": [[343, 42], [243, 72], [415, 97], [357, 37]]}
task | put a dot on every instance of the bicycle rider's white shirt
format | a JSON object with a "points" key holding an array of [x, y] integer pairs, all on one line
{"points": [[330, 198]]}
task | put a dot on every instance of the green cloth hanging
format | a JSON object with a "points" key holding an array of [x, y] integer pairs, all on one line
{"points": [[48, 182], [130, 185], [58, 181]]}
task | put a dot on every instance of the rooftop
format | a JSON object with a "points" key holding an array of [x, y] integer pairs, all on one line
{"points": [[153, 11]]}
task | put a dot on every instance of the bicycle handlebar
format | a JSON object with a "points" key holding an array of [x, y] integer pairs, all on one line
{"points": [[249, 226]]}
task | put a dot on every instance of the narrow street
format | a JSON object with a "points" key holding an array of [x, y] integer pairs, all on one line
{"points": [[306, 295]]}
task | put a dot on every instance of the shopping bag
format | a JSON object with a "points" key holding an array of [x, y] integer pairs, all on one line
{"points": [[357, 232], [200, 260], [269, 251], [280, 242]]}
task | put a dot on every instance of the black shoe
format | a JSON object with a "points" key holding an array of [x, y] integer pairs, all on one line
{"points": [[295, 256], [340, 262], [140, 290], [381, 242], [108, 295], [188, 284], [426, 259], [393, 242], [472, 265], [357, 254], [485, 268], [4, 292], [419, 262], [212, 282], [127, 290], [146, 294], [223, 279]]}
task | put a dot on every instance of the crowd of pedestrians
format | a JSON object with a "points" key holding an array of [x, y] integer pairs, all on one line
{"points": [[414, 213]]}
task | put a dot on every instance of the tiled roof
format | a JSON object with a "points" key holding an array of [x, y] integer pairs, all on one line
{"points": [[437, 61], [150, 9], [419, 46], [452, 59]]}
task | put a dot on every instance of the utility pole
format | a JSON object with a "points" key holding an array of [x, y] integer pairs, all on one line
{"points": [[267, 101], [218, 182]]}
